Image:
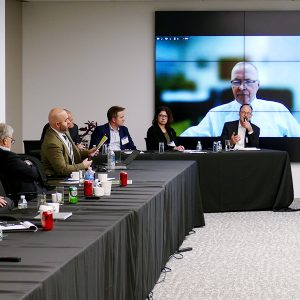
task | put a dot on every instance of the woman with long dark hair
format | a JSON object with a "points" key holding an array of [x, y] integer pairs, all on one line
{"points": [[161, 131]]}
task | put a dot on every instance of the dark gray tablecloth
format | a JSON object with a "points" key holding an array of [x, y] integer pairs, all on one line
{"points": [[112, 248], [239, 180]]}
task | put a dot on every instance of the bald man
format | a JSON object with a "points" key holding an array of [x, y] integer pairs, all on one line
{"points": [[273, 118], [59, 154]]}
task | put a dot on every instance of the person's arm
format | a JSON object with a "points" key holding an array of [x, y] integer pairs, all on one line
{"points": [[59, 160], [253, 138], [124, 132], [153, 139], [20, 169], [2, 202]]}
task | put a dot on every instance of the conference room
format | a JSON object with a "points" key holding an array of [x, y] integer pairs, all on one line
{"points": [[87, 56]]}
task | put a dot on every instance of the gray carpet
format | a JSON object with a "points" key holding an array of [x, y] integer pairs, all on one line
{"points": [[242, 255]]}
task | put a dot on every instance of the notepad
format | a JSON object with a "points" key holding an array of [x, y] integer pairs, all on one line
{"points": [[57, 216]]}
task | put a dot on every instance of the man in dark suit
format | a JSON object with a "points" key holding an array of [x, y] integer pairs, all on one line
{"points": [[18, 176], [242, 133], [60, 156], [118, 137]]}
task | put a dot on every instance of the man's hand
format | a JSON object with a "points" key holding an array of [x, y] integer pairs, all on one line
{"points": [[87, 163], [80, 146], [234, 139], [2, 201], [246, 124], [93, 151], [179, 148]]}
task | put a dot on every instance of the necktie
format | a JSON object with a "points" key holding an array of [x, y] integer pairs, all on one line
{"points": [[70, 148]]}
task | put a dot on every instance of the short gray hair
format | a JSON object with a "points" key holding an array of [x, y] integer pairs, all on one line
{"points": [[5, 130]]}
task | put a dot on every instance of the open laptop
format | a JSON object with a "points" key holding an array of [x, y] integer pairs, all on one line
{"points": [[123, 165]]}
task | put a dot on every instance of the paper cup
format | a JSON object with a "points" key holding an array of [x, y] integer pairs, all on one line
{"points": [[107, 187], [75, 175], [102, 177], [98, 191]]}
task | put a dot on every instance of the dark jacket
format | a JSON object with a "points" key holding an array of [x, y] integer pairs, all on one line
{"points": [[102, 130], [17, 176], [251, 140], [155, 135]]}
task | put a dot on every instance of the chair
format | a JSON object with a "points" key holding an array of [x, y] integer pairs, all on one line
{"points": [[147, 145], [33, 148]]}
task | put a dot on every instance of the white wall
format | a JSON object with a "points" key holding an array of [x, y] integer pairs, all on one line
{"points": [[2, 60], [88, 56]]}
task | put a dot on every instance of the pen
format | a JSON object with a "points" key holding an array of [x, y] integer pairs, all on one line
{"points": [[9, 259]]}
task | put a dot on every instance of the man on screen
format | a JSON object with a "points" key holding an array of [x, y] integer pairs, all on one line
{"points": [[273, 118], [242, 133]]}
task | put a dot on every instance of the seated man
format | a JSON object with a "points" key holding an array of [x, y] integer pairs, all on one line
{"points": [[73, 130], [60, 156], [242, 133], [118, 137], [18, 176]]}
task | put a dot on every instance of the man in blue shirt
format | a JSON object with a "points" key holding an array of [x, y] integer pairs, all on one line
{"points": [[118, 137], [273, 118]]}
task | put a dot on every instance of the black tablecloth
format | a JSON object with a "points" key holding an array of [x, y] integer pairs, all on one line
{"points": [[239, 180], [112, 248]]}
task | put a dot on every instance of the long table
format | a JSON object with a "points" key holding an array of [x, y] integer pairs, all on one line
{"points": [[239, 180], [112, 248]]}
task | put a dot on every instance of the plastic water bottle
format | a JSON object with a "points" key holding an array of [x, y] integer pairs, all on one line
{"points": [[199, 146], [22, 203], [111, 159], [88, 182]]}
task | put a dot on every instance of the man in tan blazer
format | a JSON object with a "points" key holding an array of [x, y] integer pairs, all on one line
{"points": [[59, 154]]}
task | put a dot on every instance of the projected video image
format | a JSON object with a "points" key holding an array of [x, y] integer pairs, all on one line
{"points": [[193, 78]]}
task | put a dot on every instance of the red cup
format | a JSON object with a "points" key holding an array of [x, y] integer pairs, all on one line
{"points": [[47, 220], [88, 188], [123, 178]]}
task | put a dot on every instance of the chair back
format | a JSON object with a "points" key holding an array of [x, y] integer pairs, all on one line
{"points": [[33, 148]]}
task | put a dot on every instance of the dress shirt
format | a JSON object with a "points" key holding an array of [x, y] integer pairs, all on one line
{"points": [[114, 139], [242, 134], [273, 119]]}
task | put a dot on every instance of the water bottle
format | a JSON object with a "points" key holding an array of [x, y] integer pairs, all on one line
{"points": [[199, 146], [88, 182], [111, 159], [219, 146], [22, 203]]}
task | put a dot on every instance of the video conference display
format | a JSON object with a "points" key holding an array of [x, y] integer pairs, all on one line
{"points": [[195, 53]]}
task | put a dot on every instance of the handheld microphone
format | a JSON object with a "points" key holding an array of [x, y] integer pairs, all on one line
{"points": [[246, 119]]}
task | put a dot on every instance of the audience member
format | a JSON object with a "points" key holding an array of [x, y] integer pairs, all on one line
{"points": [[73, 130], [161, 131], [118, 137], [18, 176], [273, 118], [242, 133], [60, 156]]}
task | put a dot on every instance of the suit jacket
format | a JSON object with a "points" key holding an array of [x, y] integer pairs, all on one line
{"points": [[251, 139], [73, 133], [155, 136], [56, 158], [102, 130], [17, 176]]}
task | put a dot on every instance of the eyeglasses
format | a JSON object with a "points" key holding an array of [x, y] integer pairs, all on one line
{"points": [[247, 113], [12, 140], [163, 116], [238, 83]]}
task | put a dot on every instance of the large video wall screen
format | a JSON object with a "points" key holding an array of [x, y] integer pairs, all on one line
{"points": [[195, 53]]}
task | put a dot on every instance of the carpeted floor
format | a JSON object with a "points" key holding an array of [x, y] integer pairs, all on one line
{"points": [[240, 255]]}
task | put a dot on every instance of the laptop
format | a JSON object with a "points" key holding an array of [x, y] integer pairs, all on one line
{"points": [[123, 165]]}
